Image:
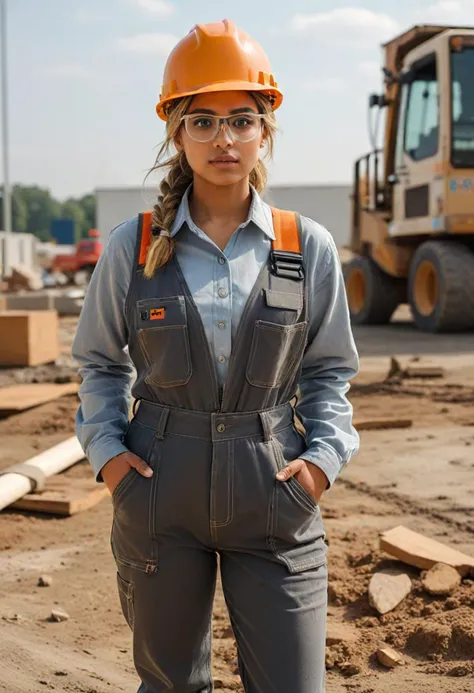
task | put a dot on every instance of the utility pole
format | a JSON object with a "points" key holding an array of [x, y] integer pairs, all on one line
{"points": [[7, 197]]}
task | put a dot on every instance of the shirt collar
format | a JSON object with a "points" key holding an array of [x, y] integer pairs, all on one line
{"points": [[259, 213]]}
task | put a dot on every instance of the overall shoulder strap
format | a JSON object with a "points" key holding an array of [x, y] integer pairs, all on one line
{"points": [[286, 256], [144, 229]]}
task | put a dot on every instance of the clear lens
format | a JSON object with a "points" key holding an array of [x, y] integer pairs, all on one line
{"points": [[204, 128]]}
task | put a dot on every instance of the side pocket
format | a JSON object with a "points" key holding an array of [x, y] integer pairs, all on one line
{"points": [[126, 594], [274, 351], [296, 531], [297, 490]]}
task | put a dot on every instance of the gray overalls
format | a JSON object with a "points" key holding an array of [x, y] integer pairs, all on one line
{"points": [[214, 495]]}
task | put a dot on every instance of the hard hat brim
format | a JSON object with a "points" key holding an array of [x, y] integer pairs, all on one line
{"points": [[222, 86]]}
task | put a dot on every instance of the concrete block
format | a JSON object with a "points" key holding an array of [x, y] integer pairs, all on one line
{"points": [[39, 300]]}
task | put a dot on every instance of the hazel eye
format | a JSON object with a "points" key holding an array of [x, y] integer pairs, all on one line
{"points": [[202, 123]]}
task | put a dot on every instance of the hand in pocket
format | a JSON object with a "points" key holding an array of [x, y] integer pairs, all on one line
{"points": [[118, 467]]}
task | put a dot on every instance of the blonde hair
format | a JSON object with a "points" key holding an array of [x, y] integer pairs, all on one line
{"points": [[180, 176]]}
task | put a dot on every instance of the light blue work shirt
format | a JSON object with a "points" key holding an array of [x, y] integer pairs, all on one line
{"points": [[220, 283]]}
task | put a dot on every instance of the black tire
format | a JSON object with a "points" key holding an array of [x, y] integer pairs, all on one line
{"points": [[441, 287], [373, 295]]}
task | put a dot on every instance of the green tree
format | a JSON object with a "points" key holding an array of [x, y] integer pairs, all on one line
{"points": [[41, 209], [87, 202]]}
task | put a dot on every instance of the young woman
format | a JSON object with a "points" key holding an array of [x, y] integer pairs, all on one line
{"points": [[220, 310]]}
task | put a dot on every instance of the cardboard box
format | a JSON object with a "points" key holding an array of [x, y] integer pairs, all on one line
{"points": [[28, 338]]}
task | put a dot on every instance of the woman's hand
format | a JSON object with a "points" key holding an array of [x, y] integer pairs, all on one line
{"points": [[116, 469], [311, 477]]}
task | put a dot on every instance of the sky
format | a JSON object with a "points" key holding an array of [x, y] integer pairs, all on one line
{"points": [[84, 77]]}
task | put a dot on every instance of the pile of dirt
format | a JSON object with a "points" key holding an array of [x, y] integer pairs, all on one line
{"points": [[435, 632]]}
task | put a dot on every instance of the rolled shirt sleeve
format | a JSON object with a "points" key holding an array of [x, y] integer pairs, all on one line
{"points": [[330, 359], [100, 348]]}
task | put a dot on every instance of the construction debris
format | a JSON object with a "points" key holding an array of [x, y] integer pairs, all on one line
{"points": [[415, 549], [24, 277], [379, 424], [389, 657], [15, 484], [387, 589], [29, 338], [59, 615], [18, 398], [45, 581], [428, 372], [399, 372], [64, 496], [441, 580]]}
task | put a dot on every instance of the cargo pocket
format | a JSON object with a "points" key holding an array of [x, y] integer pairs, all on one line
{"points": [[126, 595], [296, 531], [164, 340], [275, 350], [133, 536]]}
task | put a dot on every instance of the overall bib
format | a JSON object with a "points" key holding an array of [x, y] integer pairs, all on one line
{"points": [[213, 496]]}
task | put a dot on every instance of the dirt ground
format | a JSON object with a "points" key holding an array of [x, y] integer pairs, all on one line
{"points": [[420, 476]]}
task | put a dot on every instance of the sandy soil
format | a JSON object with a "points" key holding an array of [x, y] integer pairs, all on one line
{"points": [[419, 476]]}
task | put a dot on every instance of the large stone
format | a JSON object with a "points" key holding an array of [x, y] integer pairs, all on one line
{"points": [[387, 589], [442, 580], [389, 657]]}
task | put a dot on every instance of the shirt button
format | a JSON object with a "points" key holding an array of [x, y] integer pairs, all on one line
{"points": [[221, 325], [221, 359], [222, 293], [221, 428], [221, 261]]}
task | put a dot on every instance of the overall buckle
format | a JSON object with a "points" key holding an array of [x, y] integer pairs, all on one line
{"points": [[287, 264]]}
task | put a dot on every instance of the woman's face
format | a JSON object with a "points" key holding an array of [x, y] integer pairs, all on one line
{"points": [[205, 158]]}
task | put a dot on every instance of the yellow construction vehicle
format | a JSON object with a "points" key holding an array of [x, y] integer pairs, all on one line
{"points": [[413, 201]]}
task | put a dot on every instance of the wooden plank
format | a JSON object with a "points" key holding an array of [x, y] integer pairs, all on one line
{"points": [[424, 372], [64, 496], [422, 552], [17, 398], [378, 424]]}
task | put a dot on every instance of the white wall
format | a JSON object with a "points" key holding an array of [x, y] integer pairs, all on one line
{"points": [[327, 204], [17, 249]]}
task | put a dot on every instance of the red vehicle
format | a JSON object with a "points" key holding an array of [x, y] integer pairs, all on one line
{"points": [[78, 266]]}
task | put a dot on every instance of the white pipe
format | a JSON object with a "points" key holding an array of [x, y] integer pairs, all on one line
{"points": [[52, 461]]}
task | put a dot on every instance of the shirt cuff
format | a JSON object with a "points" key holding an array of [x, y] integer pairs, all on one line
{"points": [[326, 459], [101, 453]]}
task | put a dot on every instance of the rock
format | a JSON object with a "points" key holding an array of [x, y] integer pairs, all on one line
{"points": [[442, 579], [59, 615], [45, 581], [227, 682], [389, 657], [387, 589], [349, 669], [337, 633]]}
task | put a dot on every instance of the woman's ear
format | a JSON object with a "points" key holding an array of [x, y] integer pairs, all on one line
{"points": [[178, 143]]}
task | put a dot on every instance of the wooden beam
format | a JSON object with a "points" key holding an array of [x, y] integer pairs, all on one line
{"points": [[420, 551]]}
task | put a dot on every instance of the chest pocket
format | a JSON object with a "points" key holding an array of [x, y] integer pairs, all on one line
{"points": [[277, 345], [164, 340]]}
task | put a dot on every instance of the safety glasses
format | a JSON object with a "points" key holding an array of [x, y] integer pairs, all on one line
{"points": [[243, 127]]}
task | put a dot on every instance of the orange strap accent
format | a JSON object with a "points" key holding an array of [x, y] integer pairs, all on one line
{"points": [[285, 226], [145, 219]]}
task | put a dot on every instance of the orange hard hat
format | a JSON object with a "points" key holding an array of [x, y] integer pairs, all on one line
{"points": [[217, 57]]}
